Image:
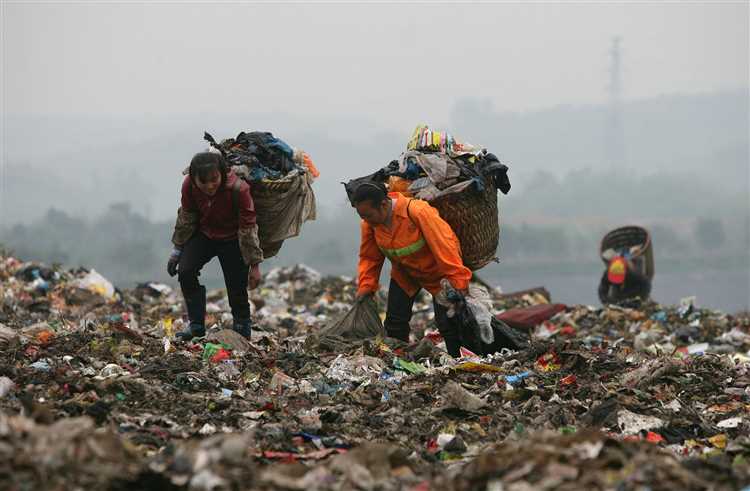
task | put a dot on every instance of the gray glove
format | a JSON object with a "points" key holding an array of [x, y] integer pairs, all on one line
{"points": [[174, 260]]}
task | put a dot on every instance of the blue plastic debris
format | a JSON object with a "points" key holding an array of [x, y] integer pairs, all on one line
{"points": [[516, 379], [41, 365]]}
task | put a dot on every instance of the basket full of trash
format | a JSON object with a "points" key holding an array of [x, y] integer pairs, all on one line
{"points": [[280, 178], [474, 217], [459, 179], [631, 241]]}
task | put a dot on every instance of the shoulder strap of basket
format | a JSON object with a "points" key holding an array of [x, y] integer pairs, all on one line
{"points": [[407, 211], [192, 197], [236, 196]]}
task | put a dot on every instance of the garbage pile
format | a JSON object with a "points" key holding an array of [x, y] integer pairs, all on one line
{"points": [[96, 393]]}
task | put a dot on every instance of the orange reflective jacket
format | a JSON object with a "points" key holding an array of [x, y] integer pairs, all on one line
{"points": [[423, 249]]}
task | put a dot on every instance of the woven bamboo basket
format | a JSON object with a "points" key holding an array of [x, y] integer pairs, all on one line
{"points": [[267, 189], [272, 186], [475, 220], [629, 236]]}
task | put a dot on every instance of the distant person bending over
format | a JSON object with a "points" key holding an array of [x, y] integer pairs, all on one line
{"points": [[622, 281], [423, 249], [211, 223]]}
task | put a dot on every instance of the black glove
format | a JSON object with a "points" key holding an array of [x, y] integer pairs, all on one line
{"points": [[174, 260]]}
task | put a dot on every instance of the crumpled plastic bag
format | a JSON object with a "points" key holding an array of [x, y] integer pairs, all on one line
{"points": [[9, 338], [96, 283], [479, 304], [458, 397], [480, 332], [503, 337], [355, 368], [361, 322], [631, 423]]}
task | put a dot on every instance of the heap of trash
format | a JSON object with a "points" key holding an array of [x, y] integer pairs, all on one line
{"points": [[96, 393]]}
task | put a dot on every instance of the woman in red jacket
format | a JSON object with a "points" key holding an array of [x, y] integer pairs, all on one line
{"points": [[216, 218]]}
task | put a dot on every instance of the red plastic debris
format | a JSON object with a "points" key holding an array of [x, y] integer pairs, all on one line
{"points": [[283, 456], [45, 337], [548, 362], [569, 380], [465, 353], [221, 355], [654, 437], [432, 446], [269, 406], [568, 331], [435, 337], [528, 317], [289, 457], [31, 352]]}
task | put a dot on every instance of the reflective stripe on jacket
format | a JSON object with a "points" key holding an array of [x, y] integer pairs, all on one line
{"points": [[422, 248]]}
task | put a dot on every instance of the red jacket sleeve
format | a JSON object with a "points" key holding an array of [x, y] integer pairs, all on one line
{"points": [[187, 216]]}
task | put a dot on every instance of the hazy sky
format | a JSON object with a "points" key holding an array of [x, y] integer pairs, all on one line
{"points": [[391, 63]]}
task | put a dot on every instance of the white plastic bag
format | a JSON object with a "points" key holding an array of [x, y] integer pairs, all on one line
{"points": [[96, 283]]}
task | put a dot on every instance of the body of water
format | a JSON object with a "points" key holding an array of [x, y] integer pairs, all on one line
{"points": [[726, 290]]}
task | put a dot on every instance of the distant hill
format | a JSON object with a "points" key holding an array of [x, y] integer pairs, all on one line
{"points": [[681, 146], [706, 133]]}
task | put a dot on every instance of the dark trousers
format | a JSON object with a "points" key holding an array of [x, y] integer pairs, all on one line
{"points": [[197, 252], [635, 285], [399, 314]]}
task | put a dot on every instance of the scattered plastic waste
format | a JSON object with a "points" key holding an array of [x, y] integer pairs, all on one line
{"points": [[94, 392]]}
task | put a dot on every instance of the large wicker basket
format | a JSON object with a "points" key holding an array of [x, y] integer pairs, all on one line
{"points": [[475, 220], [629, 236], [282, 206], [272, 186]]}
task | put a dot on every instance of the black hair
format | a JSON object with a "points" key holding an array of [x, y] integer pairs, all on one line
{"points": [[204, 163], [373, 192]]}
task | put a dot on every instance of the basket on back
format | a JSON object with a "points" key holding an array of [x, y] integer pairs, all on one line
{"points": [[626, 238], [282, 207], [474, 218], [459, 179], [280, 179]]}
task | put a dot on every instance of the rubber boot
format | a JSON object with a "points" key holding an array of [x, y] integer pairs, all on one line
{"points": [[453, 347], [196, 310], [243, 327], [196, 305], [193, 330]]}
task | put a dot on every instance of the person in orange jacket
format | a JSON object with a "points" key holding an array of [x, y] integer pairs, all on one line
{"points": [[423, 250]]}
